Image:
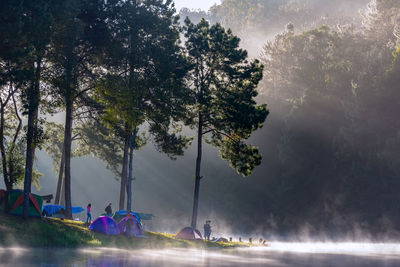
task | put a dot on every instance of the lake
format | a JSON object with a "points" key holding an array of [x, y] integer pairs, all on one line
{"points": [[277, 254]]}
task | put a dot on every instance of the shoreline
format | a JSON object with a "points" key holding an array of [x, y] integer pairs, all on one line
{"points": [[58, 233]]}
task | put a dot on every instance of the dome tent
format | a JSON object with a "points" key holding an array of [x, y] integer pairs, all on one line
{"points": [[15, 203], [189, 233], [105, 225], [119, 215], [130, 226]]}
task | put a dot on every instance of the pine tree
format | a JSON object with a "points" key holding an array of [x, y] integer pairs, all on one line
{"points": [[72, 60], [224, 87], [144, 85]]}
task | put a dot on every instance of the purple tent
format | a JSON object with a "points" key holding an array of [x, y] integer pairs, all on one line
{"points": [[130, 226], [105, 225], [189, 233]]}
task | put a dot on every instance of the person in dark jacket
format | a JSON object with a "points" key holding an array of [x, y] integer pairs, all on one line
{"points": [[207, 230], [108, 210]]}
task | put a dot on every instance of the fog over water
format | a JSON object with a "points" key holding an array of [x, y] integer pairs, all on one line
{"points": [[278, 254]]}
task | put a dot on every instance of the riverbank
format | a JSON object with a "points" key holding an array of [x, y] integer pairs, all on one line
{"points": [[46, 232]]}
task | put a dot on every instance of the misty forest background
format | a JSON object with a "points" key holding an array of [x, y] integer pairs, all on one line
{"points": [[330, 144]]}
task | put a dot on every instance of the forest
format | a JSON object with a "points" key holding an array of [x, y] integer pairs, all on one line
{"points": [[119, 74], [323, 75], [331, 143]]}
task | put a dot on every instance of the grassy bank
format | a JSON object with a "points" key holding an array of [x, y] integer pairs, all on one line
{"points": [[45, 232]]}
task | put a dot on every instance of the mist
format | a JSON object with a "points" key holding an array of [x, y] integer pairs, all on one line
{"points": [[330, 145]]}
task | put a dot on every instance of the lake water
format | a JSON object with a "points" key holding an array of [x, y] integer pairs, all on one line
{"points": [[277, 254]]}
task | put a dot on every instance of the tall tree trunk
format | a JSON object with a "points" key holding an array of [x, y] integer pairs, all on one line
{"points": [[130, 174], [197, 174], [67, 152], [124, 168], [3, 150], [60, 175], [33, 112], [6, 161], [62, 194], [10, 161]]}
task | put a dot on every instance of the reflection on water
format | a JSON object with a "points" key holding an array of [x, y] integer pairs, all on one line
{"points": [[278, 254]]}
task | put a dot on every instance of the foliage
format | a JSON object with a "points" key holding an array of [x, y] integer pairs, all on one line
{"points": [[194, 15], [143, 86], [381, 19], [53, 146], [256, 21], [337, 94], [224, 87], [242, 15], [103, 143], [150, 88]]}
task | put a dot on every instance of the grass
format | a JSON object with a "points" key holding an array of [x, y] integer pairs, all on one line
{"points": [[46, 232]]}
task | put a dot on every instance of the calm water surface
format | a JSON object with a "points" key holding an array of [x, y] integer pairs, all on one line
{"points": [[277, 254]]}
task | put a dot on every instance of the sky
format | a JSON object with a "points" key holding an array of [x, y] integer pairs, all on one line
{"points": [[195, 4]]}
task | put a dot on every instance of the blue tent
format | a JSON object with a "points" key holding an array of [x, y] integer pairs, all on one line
{"points": [[130, 226], [122, 214], [105, 225]]}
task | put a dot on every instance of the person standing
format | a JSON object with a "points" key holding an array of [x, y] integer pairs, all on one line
{"points": [[89, 213], [108, 210], [207, 230]]}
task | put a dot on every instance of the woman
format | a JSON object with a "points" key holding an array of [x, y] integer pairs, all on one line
{"points": [[89, 213]]}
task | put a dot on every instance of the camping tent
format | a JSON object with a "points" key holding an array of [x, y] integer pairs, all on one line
{"points": [[130, 226], [189, 233], [105, 225], [15, 203], [119, 215]]}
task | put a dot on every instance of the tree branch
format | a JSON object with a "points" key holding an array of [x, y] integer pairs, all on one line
{"points": [[75, 136], [219, 132], [83, 91]]}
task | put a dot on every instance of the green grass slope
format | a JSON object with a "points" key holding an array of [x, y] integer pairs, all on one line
{"points": [[45, 232]]}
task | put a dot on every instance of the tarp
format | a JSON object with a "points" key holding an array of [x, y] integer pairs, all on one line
{"points": [[77, 209], [53, 209], [189, 233], [50, 210], [16, 200], [130, 226], [105, 225]]}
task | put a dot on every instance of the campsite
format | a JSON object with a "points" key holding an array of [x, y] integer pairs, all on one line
{"points": [[57, 233], [206, 133], [115, 76], [122, 230]]}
